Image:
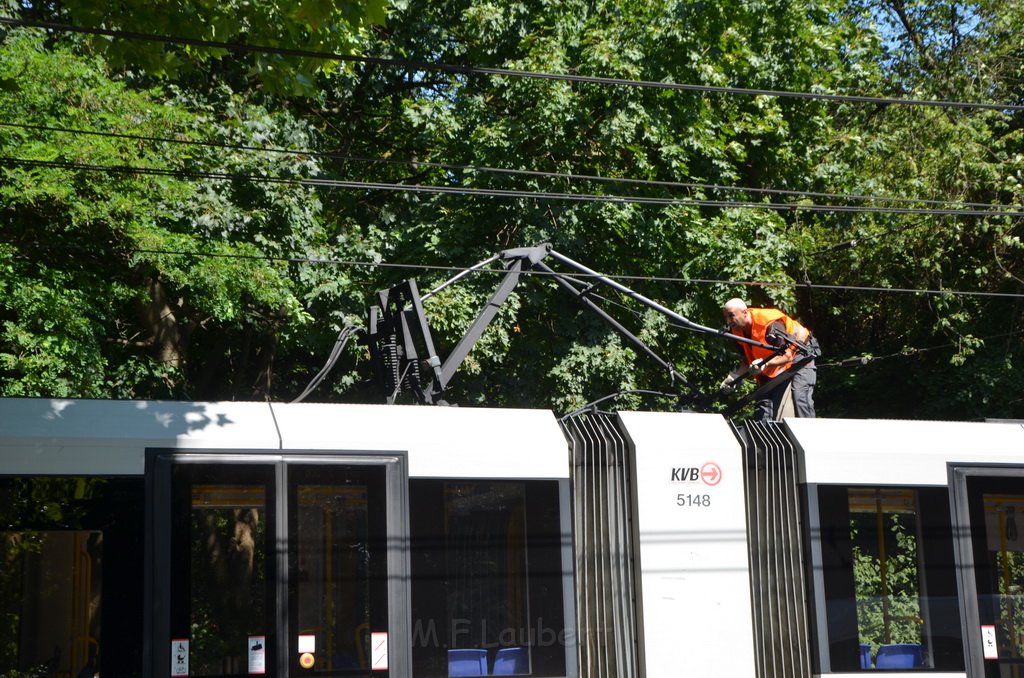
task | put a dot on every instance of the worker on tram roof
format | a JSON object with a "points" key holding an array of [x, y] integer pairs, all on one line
{"points": [[772, 326]]}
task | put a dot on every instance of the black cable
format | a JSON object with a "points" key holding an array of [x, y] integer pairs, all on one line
{"points": [[858, 361], [856, 242], [503, 193], [332, 359], [497, 170], [582, 276], [419, 66], [592, 406]]}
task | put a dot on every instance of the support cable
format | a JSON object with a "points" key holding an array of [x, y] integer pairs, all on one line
{"points": [[421, 66]]}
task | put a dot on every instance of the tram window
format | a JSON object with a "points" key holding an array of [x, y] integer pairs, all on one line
{"points": [[997, 503], [889, 579], [71, 576], [221, 525], [487, 577]]}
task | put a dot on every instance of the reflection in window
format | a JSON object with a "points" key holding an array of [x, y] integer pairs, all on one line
{"points": [[487, 581], [486, 564], [70, 576], [1005, 543], [333, 573], [888, 580], [228, 576], [883, 526], [51, 585]]}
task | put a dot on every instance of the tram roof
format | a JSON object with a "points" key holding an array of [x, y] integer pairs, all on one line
{"points": [[51, 436], [898, 451]]}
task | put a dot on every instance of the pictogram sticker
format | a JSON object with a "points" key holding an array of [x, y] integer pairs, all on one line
{"points": [[179, 657], [257, 655], [379, 651], [988, 642]]}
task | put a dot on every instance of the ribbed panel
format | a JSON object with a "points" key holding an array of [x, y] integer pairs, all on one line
{"points": [[602, 535], [781, 637]]}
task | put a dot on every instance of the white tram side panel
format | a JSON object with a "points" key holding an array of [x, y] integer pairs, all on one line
{"points": [[934, 505], [691, 550], [905, 570], [478, 549]]}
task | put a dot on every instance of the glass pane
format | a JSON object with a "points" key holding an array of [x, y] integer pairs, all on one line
{"points": [[1004, 608], [227, 593], [487, 585], [487, 578], [334, 596], [51, 586], [889, 580], [70, 576], [338, 568], [883, 530]]}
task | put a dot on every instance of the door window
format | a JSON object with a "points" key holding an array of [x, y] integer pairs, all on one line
{"points": [[995, 573], [338, 569], [223, 597], [279, 565]]}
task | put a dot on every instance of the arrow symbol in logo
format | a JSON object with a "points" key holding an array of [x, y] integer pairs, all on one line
{"points": [[710, 473]]}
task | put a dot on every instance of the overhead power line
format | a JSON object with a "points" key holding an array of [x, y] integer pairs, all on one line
{"points": [[483, 270], [504, 193], [511, 172], [857, 361], [481, 70], [584, 276]]}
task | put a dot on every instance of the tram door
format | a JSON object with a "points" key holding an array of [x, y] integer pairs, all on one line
{"points": [[284, 565], [989, 506]]}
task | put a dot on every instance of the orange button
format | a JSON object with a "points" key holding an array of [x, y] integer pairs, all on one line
{"points": [[307, 660]]}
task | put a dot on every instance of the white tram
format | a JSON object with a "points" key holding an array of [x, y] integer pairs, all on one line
{"points": [[237, 539]]}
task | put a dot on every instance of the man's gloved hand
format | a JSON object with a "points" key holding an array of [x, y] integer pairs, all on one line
{"points": [[729, 383], [757, 366]]}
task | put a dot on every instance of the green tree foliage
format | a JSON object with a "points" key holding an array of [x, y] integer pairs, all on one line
{"points": [[614, 132], [254, 320], [110, 276], [934, 50], [331, 26]]}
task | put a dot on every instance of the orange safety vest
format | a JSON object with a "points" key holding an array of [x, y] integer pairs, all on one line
{"points": [[762, 319]]}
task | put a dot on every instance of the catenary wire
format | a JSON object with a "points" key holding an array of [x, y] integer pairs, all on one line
{"points": [[498, 170], [503, 193], [507, 72], [355, 263], [858, 361], [857, 242]]}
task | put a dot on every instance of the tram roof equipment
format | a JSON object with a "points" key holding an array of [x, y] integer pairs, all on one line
{"points": [[406, 358]]}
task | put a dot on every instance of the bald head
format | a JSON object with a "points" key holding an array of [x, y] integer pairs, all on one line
{"points": [[736, 314]]}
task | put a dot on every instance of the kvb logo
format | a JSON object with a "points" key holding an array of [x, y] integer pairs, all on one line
{"points": [[710, 474], [682, 474]]}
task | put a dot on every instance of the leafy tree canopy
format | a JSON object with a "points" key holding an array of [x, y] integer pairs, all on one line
{"points": [[110, 274], [330, 26], [926, 306]]}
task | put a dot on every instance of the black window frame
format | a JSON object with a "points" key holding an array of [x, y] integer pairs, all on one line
{"points": [[830, 571]]}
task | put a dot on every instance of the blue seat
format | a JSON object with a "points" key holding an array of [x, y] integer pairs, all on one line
{"points": [[899, 656], [865, 656], [511, 661], [467, 662]]}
